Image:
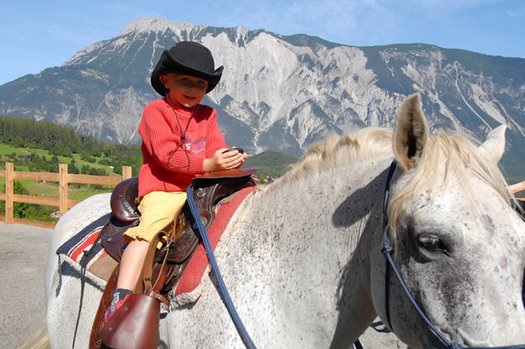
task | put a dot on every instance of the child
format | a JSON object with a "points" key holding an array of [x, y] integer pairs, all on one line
{"points": [[180, 139]]}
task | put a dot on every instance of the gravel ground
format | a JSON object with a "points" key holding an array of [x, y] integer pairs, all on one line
{"points": [[23, 251]]}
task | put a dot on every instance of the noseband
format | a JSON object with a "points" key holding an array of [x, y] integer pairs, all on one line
{"points": [[391, 265]]}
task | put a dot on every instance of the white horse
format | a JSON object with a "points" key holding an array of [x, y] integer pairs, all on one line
{"points": [[302, 257]]}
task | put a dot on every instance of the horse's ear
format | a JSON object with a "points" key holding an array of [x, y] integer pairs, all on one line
{"points": [[494, 146], [410, 133]]}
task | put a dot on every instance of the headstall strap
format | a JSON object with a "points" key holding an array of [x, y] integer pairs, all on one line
{"points": [[387, 245]]}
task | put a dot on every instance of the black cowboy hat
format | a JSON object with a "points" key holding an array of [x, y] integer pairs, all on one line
{"points": [[189, 58]]}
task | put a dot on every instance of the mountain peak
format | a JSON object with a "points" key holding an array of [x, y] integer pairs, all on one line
{"points": [[148, 24]]}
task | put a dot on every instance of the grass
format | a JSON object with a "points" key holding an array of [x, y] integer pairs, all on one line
{"points": [[6, 150], [77, 192]]}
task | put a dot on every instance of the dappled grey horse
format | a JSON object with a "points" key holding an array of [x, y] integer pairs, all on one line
{"points": [[302, 257]]}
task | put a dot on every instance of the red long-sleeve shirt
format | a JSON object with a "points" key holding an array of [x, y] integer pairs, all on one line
{"points": [[174, 151]]}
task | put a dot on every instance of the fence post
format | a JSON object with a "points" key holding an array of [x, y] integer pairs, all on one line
{"points": [[62, 188], [9, 185], [126, 172]]}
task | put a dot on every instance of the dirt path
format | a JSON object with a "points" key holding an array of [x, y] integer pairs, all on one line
{"points": [[23, 251]]}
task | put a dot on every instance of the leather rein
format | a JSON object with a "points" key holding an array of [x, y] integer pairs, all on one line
{"points": [[387, 251], [223, 291]]}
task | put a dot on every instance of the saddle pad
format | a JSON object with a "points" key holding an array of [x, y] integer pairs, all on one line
{"points": [[79, 252], [194, 272]]}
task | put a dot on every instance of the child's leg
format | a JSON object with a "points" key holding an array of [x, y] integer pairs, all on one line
{"points": [[131, 264], [132, 261], [158, 210]]}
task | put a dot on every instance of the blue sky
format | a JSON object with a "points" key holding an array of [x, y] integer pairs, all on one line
{"points": [[40, 34]]}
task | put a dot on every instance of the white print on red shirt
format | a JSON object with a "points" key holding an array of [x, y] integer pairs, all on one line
{"points": [[196, 146]]}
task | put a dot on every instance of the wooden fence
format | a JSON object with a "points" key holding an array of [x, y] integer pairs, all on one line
{"points": [[62, 202]]}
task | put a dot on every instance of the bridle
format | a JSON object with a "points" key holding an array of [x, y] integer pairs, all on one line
{"points": [[391, 265]]}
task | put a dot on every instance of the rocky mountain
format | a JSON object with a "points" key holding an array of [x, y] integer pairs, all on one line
{"points": [[279, 92]]}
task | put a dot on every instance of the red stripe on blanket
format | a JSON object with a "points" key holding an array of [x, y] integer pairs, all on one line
{"points": [[192, 276], [84, 245]]}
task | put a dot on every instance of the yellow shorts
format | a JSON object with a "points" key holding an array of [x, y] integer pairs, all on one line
{"points": [[157, 210]]}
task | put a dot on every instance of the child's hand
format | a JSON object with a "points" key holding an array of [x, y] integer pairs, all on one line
{"points": [[222, 160]]}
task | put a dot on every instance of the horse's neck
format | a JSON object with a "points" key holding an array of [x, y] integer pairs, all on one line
{"points": [[318, 218], [301, 244]]}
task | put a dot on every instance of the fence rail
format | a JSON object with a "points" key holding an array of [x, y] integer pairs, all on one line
{"points": [[62, 202]]}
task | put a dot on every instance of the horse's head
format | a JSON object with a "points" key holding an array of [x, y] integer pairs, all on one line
{"points": [[458, 242]]}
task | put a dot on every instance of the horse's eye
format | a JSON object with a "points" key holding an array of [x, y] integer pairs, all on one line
{"points": [[431, 243]]}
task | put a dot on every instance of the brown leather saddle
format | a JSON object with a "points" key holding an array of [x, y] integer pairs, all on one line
{"points": [[209, 190]]}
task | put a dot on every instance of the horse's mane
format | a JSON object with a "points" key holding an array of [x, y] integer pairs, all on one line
{"points": [[346, 149], [454, 154], [456, 157]]}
